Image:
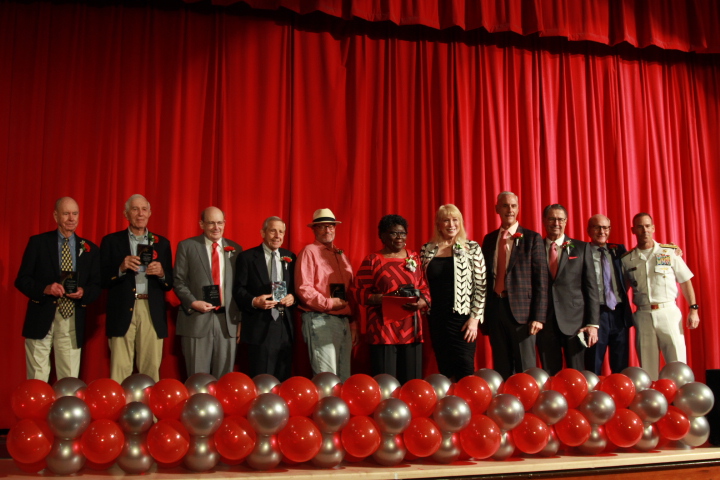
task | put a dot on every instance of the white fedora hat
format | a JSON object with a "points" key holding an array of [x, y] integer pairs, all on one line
{"points": [[323, 215]]}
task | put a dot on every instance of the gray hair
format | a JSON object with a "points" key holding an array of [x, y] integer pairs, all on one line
{"points": [[505, 193], [271, 219], [133, 197]]}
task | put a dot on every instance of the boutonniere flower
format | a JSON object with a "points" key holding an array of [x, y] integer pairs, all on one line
{"points": [[286, 259], [84, 247], [612, 246], [339, 252], [411, 264], [229, 249], [458, 249], [152, 238], [517, 236], [567, 245]]}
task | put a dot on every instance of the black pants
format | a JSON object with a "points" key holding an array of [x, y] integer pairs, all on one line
{"points": [[455, 357], [613, 335], [404, 362], [274, 355], [513, 348]]}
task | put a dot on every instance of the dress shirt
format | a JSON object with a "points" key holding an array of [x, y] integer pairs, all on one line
{"points": [[140, 278], [73, 248], [221, 252], [510, 242], [597, 257], [318, 267], [268, 259], [558, 242]]}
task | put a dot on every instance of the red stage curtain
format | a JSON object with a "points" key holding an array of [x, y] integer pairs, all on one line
{"points": [[272, 113], [686, 25]]}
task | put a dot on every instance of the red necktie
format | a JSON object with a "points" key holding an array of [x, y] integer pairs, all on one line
{"points": [[553, 260], [216, 268], [501, 264]]}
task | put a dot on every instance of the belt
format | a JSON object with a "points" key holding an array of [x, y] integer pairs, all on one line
{"points": [[141, 296], [656, 306], [605, 308], [504, 294]]}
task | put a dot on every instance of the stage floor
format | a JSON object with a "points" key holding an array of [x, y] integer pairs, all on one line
{"points": [[664, 464]]}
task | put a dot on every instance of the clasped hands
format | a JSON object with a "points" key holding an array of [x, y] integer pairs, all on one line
{"points": [[57, 290], [132, 262], [266, 302]]}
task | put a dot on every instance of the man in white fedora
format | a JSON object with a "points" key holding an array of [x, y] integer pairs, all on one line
{"points": [[322, 280]]}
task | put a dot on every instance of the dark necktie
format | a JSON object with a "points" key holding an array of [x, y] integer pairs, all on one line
{"points": [[66, 305], [610, 300]]}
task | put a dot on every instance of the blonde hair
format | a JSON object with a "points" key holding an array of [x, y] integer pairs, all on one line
{"points": [[449, 210]]}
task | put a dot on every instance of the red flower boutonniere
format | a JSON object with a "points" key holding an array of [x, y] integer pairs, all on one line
{"points": [[612, 246], [339, 252], [229, 248], [286, 259], [84, 247], [567, 245], [517, 236], [153, 238], [411, 264]]}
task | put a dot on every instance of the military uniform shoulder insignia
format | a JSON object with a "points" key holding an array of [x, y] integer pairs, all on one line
{"points": [[626, 253], [668, 245]]}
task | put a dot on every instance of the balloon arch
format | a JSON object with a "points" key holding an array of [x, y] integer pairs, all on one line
{"points": [[263, 422]]}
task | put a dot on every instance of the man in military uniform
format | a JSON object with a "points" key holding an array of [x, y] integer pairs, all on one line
{"points": [[653, 271]]}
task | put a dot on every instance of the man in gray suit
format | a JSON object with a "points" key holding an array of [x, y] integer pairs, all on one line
{"points": [[208, 319]]}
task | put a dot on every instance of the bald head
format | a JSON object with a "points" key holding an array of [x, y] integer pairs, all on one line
{"points": [[212, 222], [598, 229], [66, 215]]}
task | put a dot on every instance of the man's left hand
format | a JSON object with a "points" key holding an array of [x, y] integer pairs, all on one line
{"points": [[693, 319], [288, 300], [155, 268], [77, 295], [592, 335]]}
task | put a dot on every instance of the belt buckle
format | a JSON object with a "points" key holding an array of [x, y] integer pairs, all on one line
{"points": [[655, 307]]}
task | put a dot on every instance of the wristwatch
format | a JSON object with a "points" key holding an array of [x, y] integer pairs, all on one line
{"points": [[695, 306]]}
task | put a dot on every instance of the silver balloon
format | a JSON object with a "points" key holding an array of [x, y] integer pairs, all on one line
{"points": [[265, 383], [540, 376], [678, 372], [440, 383], [202, 454], [552, 447], [678, 445], [452, 414], [137, 387], [391, 450], [392, 416], [650, 405], [202, 414], [699, 432], [388, 385], [331, 452], [65, 457], [135, 417], [266, 454], [649, 439], [591, 378], [596, 443], [331, 414], [695, 399], [68, 417], [449, 450], [201, 383], [328, 384], [268, 415], [70, 387], [135, 457], [507, 447], [639, 377], [598, 407], [506, 411], [493, 378], [550, 406]]}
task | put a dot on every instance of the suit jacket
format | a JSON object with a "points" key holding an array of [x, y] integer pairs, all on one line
{"points": [[192, 272], [121, 288], [526, 279], [616, 252], [40, 267], [252, 279], [574, 294]]}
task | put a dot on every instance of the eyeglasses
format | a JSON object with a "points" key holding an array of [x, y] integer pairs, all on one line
{"points": [[325, 226], [597, 228], [555, 220], [215, 224], [397, 234]]}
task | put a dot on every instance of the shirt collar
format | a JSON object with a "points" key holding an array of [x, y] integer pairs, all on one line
{"points": [[61, 237], [208, 242], [558, 242], [267, 250], [513, 229], [138, 237]]}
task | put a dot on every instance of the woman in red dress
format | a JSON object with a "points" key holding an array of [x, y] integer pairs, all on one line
{"points": [[395, 343]]}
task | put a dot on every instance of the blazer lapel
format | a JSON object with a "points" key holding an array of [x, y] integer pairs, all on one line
{"points": [[564, 253], [518, 243], [53, 245], [202, 253], [262, 266]]}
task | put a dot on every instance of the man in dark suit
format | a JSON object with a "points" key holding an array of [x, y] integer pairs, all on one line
{"points": [[136, 268], [208, 320], [573, 307], [54, 263], [517, 298], [267, 326]]}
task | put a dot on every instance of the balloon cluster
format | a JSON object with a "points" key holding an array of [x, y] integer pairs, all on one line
{"points": [[263, 422]]}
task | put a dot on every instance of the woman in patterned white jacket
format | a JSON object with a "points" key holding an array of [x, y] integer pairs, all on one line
{"points": [[455, 270]]}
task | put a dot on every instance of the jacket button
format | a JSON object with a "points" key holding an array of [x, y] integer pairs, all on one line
{"points": [[133, 289], [131, 309]]}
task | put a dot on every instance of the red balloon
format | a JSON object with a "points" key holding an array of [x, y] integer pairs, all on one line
{"points": [[300, 440], [572, 384], [481, 438], [168, 442], [167, 398], [532, 435], [352, 458], [420, 397], [574, 429], [228, 461], [619, 387], [524, 387], [235, 439], [667, 387], [31, 467], [100, 467], [674, 425], [105, 398], [103, 441], [235, 391], [360, 437], [300, 394], [625, 428], [29, 441], [32, 399], [361, 393], [422, 437], [475, 391]]}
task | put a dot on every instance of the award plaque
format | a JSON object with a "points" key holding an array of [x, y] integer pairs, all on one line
{"points": [[279, 290], [69, 281], [145, 252], [337, 290], [211, 294]]}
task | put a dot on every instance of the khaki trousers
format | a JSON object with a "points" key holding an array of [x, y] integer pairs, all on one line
{"points": [[62, 338], [140, 339]]}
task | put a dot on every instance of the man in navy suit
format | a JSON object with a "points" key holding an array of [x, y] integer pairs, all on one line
{"points": [[517, 289], [267, 326], [615, 311], [136, 319], [55, 318], [573, 306]]}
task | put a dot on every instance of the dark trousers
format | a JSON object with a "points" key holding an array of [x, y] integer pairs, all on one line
{"points": [[513, 348], [404, 362], [553, 345], [612, 335], [274, 356], [455, 357]]}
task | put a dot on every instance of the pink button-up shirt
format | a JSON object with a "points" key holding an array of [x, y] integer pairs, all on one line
{"points": [[318, 266]]}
